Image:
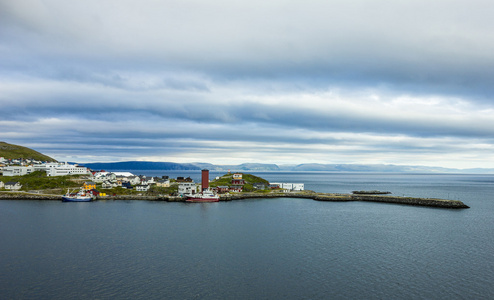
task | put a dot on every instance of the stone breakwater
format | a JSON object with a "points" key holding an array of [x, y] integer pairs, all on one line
{"points": [[440, 203]]}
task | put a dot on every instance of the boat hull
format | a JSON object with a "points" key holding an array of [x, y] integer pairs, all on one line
{"points": [[76, 199], [202, 199]]}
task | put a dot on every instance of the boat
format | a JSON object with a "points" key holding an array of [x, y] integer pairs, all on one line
{"points": [[80, 196], [205, 196]]}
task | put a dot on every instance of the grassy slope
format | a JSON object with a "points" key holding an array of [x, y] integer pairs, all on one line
{"points": [[39, 181], [10, 151], [226, 180]]}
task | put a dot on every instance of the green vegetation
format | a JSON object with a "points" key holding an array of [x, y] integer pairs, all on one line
{"points": [[153, 191], [250, 180], [39, 181], [157, 190], [10, 151], [118, 191]]}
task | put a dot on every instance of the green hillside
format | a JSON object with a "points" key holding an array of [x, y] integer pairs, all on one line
{"points": [[9, 151], [250, 180]]}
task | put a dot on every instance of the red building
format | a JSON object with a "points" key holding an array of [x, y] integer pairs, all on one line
{"points": [[238, 182]]}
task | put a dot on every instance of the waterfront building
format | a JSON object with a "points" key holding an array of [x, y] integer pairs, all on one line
{"points": [[221, 189], [187, 188], [13, 185], [89, 185], [288, 186]]}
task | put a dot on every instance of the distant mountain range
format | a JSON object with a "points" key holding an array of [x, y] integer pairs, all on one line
{"points": [[10, 151], [378, 168], [140, 165]]}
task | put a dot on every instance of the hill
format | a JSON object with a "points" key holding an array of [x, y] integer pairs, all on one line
{"points": [[10, 151]]}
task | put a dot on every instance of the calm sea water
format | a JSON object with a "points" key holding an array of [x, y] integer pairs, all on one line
{"points": [[257, 249]]}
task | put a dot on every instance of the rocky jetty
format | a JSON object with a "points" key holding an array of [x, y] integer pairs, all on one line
{"points": [[440, 203], [412, 201]]}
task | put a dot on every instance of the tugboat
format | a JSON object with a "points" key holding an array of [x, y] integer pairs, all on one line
{"points": [[80, 196]]}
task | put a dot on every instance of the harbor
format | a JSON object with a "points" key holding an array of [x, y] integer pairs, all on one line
{"points": [[329, 197]]}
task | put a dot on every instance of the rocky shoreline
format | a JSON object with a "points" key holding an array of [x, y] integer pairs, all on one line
{"points": [[440, 203]]}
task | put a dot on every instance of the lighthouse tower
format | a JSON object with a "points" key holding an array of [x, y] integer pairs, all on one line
{"points": [[205, 179]]}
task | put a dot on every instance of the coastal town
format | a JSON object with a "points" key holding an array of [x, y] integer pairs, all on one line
{"points": [[26, 179], [103, 183]]}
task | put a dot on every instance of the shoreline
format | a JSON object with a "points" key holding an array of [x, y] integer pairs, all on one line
{"points": [[429, 202]]}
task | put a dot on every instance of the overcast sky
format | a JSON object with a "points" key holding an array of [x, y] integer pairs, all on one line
{"points": [[408, 82]]}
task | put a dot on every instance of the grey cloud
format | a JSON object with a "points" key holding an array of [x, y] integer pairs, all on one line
{"points": [[202, 69], [440, 47]]}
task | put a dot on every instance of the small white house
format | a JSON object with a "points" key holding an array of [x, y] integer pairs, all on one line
{"points": [[142, 188], [2, 185], [13, 185]]}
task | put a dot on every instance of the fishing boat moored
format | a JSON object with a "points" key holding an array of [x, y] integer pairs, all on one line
{"points": [[80, 196], [205, 196]]}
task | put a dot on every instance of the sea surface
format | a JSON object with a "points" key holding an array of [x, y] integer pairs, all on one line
{"points": [[257, 249]]}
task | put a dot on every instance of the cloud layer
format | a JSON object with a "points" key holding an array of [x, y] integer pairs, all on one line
{"points": [[250, 81]]}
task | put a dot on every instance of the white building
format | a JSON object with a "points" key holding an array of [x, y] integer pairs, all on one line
{"points": [[142, 188], [62, 169], [17, 170], [291, 186], [187, 188], [13, 185], [104, 176]]}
